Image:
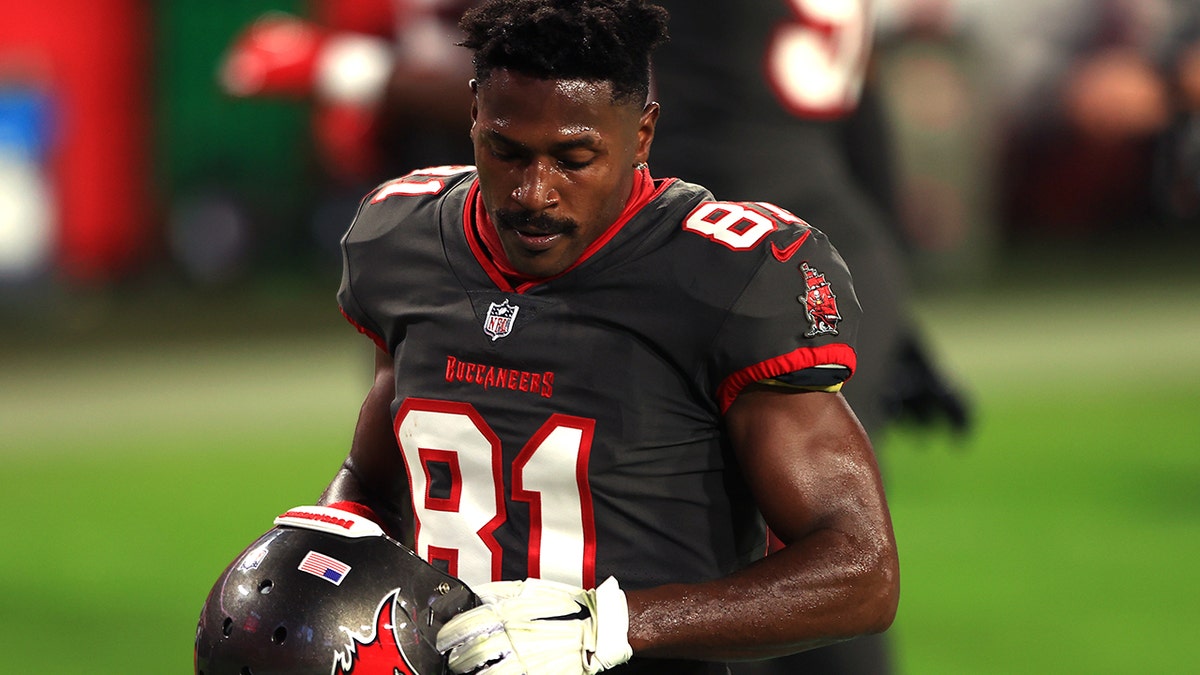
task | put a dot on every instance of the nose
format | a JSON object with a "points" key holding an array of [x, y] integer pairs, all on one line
{"points": [[536, 191]]}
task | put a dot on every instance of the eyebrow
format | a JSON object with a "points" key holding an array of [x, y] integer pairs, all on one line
{"points": [[585, 142]]}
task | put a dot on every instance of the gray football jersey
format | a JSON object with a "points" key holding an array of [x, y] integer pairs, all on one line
{"points": [[571, 428]]}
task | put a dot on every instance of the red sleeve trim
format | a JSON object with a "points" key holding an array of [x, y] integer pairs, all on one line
{"points": [[374, 338], [804, 357]]}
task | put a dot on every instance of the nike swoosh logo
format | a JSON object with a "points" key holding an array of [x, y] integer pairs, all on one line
{"points": [[582, 614], [785, 254]]}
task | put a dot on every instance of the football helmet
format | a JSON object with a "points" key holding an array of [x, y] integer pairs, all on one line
{"points": [[326, 592]]}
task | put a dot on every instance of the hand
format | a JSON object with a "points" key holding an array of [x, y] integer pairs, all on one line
{"points": [[537, 627], [919, 393]]}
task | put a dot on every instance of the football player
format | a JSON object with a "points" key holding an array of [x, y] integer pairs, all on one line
{"points": [[596, 389]]}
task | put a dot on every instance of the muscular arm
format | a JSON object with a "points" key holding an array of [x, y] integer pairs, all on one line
{"points": [[373, 473], [816, 482]]}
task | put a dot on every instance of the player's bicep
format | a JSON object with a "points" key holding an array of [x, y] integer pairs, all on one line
{"points": [[374, 439], [808, 462], [369, 474]]}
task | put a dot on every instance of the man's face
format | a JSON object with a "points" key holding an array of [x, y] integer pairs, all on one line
{"points": [[555, 160]]}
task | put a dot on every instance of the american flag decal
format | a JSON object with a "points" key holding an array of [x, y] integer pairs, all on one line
{"points": [[320, 565]]}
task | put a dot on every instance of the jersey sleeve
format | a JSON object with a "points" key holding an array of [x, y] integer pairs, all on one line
{"points": [[366, 219], [388, 230], [795, 322]]}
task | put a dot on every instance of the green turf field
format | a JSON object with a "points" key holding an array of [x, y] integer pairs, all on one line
{"points": [[146, 442]]}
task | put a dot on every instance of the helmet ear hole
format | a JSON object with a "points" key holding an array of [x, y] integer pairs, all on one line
{"points": [[227, 627], [279, 635], [265, 586]]}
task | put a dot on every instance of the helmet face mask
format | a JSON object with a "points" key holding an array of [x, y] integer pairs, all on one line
{"points": [[326, 593]]}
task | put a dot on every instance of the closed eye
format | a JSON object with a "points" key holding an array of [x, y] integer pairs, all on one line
{"points": [[574, 165], [504, 155]]}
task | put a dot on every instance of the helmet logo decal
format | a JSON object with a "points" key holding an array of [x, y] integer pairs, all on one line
{"points": [[321, 565], [500, 319], [820, 304], [378, 653]]}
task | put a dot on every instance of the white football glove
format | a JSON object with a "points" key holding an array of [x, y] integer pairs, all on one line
{"points": [[538, 627]]}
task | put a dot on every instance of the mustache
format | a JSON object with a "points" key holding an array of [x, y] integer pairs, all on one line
{"points": [[528, 222]]}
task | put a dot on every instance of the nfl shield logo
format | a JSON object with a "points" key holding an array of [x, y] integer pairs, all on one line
{"points": [[500, 318]]}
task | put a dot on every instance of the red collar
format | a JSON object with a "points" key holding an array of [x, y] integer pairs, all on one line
{"points": [[480, 229]]}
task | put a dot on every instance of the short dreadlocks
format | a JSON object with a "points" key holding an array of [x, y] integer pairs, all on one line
{"points": [[591, 40]]}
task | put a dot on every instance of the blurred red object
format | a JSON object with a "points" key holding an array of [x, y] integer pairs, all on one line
{"points": [[274, 56], [92, 56]]}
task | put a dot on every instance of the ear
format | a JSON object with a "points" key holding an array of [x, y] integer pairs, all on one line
{"points": [[645, 132]]}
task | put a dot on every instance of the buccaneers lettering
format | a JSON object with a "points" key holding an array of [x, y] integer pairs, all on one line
{"points": [[493, 377]]}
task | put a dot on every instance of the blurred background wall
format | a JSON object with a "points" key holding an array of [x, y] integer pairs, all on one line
{"points": [[117, 144], [76, 116], [125, 162]]}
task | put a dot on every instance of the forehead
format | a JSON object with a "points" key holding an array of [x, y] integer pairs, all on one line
{"points": [[513, 105]]}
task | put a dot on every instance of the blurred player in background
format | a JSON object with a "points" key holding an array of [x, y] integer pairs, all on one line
{"points": [[1097, 107], [771, 99]]}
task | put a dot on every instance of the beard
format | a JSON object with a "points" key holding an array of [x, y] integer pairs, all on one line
{"points": [[535, 224]]}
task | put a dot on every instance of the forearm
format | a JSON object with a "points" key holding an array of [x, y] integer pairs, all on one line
{"points": [[814, 478], [392, 512], [825, 588]]}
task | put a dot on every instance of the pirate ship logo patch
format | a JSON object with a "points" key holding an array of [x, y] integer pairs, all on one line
{"points": [[500, 319], [820, 304]]}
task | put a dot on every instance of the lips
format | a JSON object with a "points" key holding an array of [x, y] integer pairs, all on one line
{"points": [[537, 242]]}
